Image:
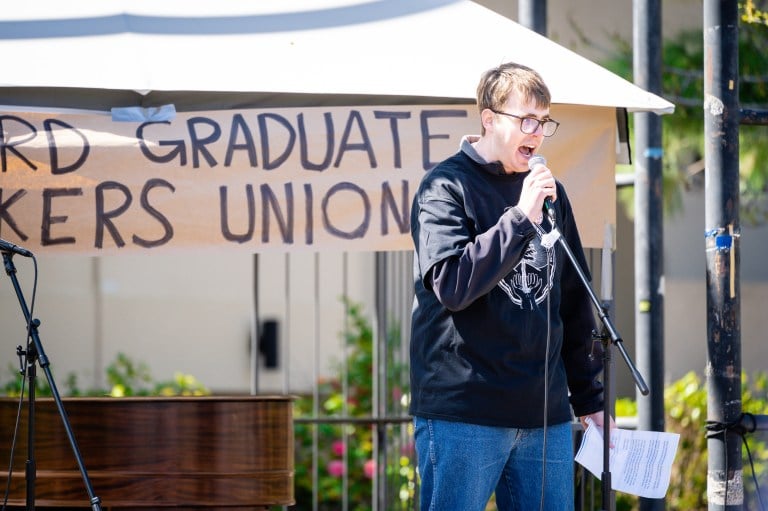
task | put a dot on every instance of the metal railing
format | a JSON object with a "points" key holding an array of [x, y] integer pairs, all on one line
{"points": [[345, 473], [395, 485]]}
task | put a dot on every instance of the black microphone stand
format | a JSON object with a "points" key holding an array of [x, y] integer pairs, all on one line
{"points": [[35, 353], [608, 335]]}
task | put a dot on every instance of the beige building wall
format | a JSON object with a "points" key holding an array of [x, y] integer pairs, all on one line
{"points": [[188, 313], [590, 27]]}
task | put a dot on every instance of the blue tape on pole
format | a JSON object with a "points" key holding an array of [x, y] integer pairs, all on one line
{"points": [[654, 152], [723, 242]]}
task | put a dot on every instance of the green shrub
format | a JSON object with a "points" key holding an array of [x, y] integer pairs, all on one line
{"points": [[327, 453], [685, 405], [124, 376]]}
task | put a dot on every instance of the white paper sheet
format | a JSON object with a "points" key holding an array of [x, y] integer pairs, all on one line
{"points": [[640, 461]]}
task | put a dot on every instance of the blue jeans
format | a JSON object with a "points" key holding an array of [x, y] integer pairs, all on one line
{"points": [[461, 465]]}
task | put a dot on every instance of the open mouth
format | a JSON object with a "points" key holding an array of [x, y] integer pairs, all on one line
{"points": [[527, 150]]}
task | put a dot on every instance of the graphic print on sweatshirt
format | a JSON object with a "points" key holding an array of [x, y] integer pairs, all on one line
{"points": [[530, 281]]}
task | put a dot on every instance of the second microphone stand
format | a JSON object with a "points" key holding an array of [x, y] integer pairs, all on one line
{"points": [[35, 353]]}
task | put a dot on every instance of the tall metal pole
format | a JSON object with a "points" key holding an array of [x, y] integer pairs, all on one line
{"points": [[532, 14], [649, 300], [379, 401], [722, 230]]}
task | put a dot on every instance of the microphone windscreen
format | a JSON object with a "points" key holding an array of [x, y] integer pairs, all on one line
{"points": [[536, 160]]}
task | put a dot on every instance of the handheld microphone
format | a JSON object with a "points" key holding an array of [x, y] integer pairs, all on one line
{"points": [[7, 246], [534, 162]]}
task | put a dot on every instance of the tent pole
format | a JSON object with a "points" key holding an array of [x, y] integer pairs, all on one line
{"points": [[532, 14], [649, 235]]}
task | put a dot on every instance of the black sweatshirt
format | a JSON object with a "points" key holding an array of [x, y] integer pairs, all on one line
{"points": [[480, 322]]}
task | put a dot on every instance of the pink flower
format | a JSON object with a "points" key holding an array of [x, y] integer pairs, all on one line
{"points": [[335, 468], [369, 468], [337, 448]]}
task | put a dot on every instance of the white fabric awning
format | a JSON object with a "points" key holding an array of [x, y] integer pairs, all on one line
{"points": [[103, 53]]}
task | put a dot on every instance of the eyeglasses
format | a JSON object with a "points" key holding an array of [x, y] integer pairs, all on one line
{"points": [[529, 125]]}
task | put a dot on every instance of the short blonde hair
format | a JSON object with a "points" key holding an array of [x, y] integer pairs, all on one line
{"points": [[498, 84]]}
